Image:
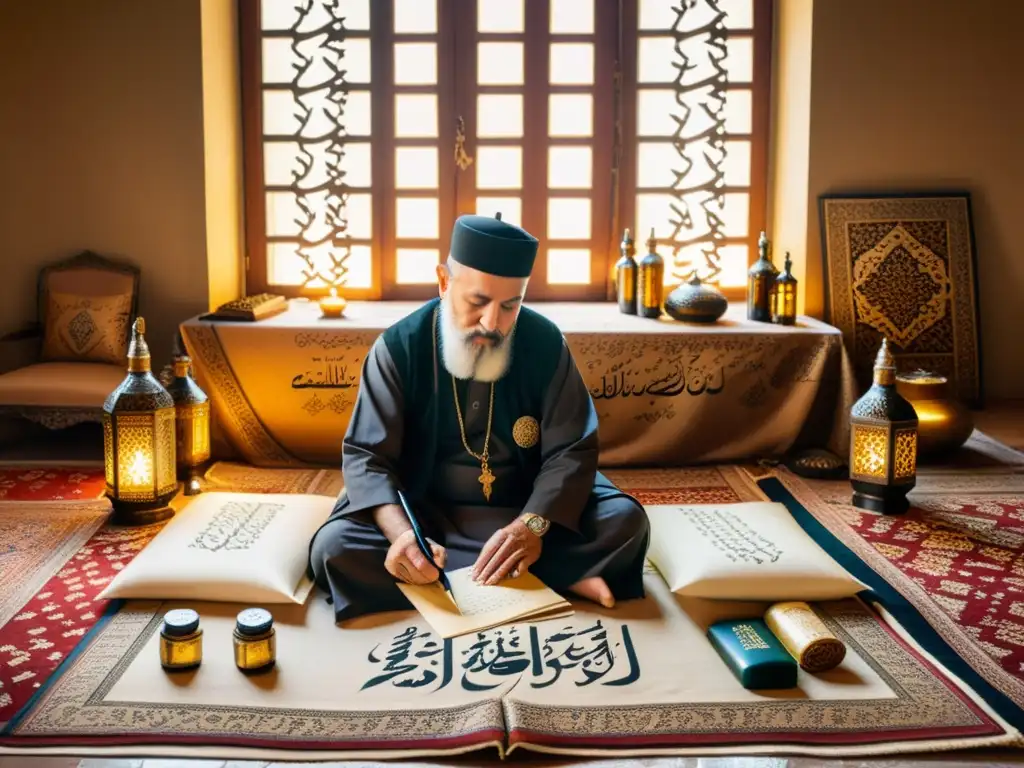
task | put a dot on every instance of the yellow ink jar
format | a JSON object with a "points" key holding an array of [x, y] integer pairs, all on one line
{"points": [[255, 640], [181, 640]]}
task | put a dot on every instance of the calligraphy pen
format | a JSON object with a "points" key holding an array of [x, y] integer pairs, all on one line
{"points": [[425, 548]]}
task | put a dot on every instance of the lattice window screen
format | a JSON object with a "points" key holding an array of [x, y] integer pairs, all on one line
{"points": [[316, 126], [371, 125], [693, 145]]}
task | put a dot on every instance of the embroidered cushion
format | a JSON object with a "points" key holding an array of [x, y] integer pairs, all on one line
{"points": [[229, 547], [749, 551], [86, 328]]}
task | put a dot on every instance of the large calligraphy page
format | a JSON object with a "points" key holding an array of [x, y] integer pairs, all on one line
{"points": [[646, 667], [377, 679], [482, 607]]}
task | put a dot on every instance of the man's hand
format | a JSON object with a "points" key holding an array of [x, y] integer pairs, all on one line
{"points": [[512, 548], [406, 562]]}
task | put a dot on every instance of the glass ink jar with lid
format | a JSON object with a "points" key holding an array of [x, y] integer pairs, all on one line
{"points": [[181, 640], [255, 640]]}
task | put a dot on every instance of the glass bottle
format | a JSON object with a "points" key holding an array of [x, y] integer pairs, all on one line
{"points": [[761, 284], [650, 281], [625, 276], [784, 305]]}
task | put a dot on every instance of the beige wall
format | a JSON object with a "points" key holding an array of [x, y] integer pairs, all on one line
{"points": [[102, 147], [926, 94]]}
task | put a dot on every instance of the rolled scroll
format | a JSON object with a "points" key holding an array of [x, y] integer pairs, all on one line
{"points": [[805, 636]]}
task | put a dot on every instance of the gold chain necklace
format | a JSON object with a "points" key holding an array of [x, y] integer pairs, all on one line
{"points": [[486, 476]]}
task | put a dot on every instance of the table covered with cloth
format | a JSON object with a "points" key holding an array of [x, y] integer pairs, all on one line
{"points": [[667, 393]]}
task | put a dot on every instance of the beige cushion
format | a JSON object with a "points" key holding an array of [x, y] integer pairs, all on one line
{"points": [[76, 385], [750, 551], [229, 547], [86, 328]]}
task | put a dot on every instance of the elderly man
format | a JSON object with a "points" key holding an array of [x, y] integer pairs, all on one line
{"points": [[473, 407]]}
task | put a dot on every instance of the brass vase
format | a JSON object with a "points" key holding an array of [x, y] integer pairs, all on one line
{"points": [[944, 424]]}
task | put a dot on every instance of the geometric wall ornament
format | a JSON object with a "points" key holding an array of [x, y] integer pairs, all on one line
{"points": [[903, 267]]}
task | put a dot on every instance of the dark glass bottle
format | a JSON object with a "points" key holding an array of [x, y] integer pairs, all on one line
{"points": [[625, 276], [784, 306], [761, 284]]}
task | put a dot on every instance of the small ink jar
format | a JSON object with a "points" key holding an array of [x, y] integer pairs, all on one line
{"points": [[255, 640], [181, 640]]}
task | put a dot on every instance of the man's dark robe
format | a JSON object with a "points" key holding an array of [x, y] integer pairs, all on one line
{"points": [[404, 434]]}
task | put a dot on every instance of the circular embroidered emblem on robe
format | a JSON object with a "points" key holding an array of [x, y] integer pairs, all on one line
{"points": [[526, 431]]}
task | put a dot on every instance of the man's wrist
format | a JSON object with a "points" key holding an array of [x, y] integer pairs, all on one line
{"points": [[534, 523]]}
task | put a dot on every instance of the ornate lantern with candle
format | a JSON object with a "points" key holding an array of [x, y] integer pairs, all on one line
{"points": [[883, 442], [139, 441], [192, 409]]}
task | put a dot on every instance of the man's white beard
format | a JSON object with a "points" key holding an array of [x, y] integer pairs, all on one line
{"points": [[466, 360]]}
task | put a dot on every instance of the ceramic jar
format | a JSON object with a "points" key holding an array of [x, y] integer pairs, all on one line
{"points": [[944, 424], [694, 302]]}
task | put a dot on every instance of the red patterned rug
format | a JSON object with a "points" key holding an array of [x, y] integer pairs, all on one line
{"points": [[36, 539], [957, 556], [49, 626], [51, 483]]}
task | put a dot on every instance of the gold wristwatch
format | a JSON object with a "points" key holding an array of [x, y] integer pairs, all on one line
{"points": [[537, 524]]}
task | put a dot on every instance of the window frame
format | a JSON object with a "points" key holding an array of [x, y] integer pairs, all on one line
{"points": [[614, 115]]}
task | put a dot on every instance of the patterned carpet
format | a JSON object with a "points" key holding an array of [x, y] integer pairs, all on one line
{"points": [[957, 556], [51, 483], [47, 628]]}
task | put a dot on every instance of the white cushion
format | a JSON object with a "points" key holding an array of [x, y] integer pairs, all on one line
{"points": [[75, 385], [749, 551], [229, 547]]}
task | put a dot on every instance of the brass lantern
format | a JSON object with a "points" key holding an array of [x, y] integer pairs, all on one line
{"points": [[883, 442], [138, 441], [192, 417]]}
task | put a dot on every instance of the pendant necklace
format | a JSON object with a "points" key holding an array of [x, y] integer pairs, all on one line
{"points": [[486, 476]]}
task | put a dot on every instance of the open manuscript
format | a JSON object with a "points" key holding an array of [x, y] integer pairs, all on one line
{"points": [[523, 598]]}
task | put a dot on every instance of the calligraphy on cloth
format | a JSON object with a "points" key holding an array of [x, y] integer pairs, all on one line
{"points": [[665, 394], [592, 654]]}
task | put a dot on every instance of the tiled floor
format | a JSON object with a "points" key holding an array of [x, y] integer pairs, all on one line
{"points": [[1004, 421]]}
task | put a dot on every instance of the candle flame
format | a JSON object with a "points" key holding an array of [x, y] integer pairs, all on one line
{"points": [[140, 471]]}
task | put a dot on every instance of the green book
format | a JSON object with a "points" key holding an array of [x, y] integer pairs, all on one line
{"points": [[753, 653]]}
